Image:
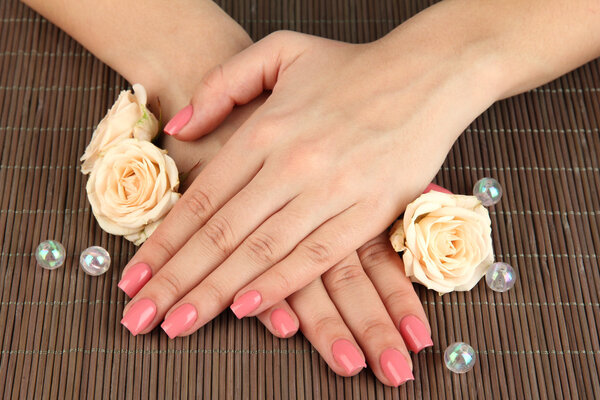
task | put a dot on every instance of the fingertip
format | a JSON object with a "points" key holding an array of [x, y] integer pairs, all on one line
{"points": [[283, 324], [179, 121]]}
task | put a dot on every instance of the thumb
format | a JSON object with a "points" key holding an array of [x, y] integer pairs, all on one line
{"points": [[238, 81]]}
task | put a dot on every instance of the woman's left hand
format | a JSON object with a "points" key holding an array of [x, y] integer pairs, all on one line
{"points": [[349, 136]]}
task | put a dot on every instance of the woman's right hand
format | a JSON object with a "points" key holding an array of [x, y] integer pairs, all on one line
{"points": [[363, 308]]}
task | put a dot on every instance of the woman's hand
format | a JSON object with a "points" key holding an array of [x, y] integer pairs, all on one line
{"points": [[362, 308], [349, 135]]}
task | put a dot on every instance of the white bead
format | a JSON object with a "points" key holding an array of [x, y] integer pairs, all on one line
{"points": [[95, 260]]}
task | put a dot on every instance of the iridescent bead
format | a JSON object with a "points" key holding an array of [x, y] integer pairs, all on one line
{"points": [[459, 357], [500, 277], [488, 191], [50, 254], [94, 260]]}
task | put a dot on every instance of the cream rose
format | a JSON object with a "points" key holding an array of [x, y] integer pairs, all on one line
{"points": [[128, 118], [446, 240], [131, 189]]}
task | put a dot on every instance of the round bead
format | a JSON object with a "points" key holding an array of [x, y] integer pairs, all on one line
{"points": [[459, 357], [488, 191], [94, 260], [50, 254], [500, 277]]}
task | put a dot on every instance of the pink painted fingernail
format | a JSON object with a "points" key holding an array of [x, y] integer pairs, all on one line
{"points": [[348, 356], [180, 320], [139, 316], [135, 278], [415, 334], [395, 367], [180, 120], [436, 188], [282, 322], [247, 303]]}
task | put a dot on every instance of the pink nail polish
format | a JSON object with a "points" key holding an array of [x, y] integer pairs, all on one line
{"points": [[436, 188], [139, 316], [247, 303], [180, 320], [135, 278], [415, 334], [347, 356], [180, 120], [395, 367], [283, 323]]}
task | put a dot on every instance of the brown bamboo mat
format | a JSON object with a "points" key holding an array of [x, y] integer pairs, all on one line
{"points": [[60, 331]]}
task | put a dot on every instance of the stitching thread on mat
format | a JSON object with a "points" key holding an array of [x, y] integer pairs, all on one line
{"points": [[433, 303], [45, 128], [126, 351], [4, 254], [46, 53], [544, 212], [503, 304], [40, 211], [543, 169], [529, 130], [500, 212], [467, 167], [60, 88], [275, 351]]}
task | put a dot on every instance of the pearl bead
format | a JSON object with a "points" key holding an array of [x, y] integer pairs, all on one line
{"points": [[95, 260], [500, 277], [459, 357], [488, 191], [50, 254]]}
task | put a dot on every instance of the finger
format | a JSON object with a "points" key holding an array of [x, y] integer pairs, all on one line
{"points": [[323, 326], [385, 269], [279, 319], [238, 81], [364, 313], [205, 250], [268, 244], [218, 182], [322, 249]]}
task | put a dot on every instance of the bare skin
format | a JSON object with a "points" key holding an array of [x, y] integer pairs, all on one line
{"points": [[346, 303]]}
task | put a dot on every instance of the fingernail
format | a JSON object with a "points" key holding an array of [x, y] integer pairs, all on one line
{"points": [[180, 320], [247, 303], [348, 356], [415, 334], [436, 188], [180, 120], [395, 367], [282, 322], [135, 278], [139, 316]]}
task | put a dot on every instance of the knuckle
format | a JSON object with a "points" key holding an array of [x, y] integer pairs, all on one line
{"points": [[261, 247], [219, 234], [376, 329], [215, 292], [396, 297], [324, 325], [283, 282], [317, 253], [341, 278], [212, 78], [161, 244], [169, 282], [375, 254], [198, 203]]}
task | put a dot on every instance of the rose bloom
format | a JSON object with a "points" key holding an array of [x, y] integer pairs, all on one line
{"points": [[446, 240], [131, 189], [128, 118]]}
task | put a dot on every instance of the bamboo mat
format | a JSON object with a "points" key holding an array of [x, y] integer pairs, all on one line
{"points": [[60, 333]]}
